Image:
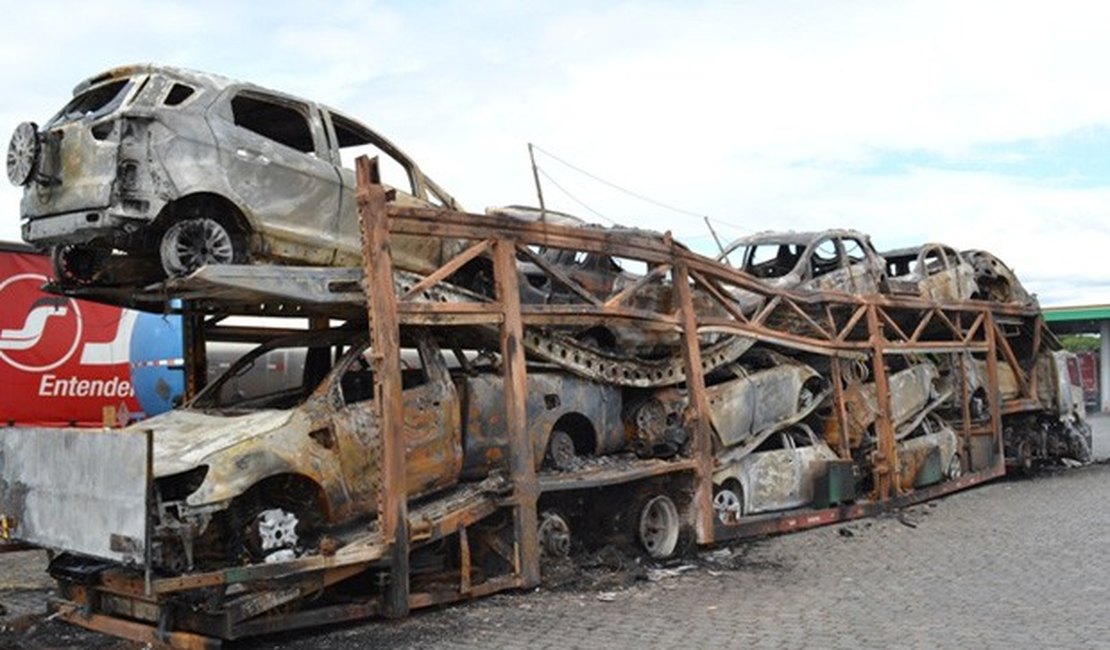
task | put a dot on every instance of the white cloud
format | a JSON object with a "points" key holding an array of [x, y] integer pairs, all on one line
{"points": [[760, 114]]}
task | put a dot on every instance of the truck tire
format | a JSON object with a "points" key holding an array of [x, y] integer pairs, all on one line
{"points": [[657, 526]]}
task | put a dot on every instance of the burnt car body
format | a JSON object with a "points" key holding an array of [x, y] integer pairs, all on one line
{"points": [[933, 271], [184, 168], [928, 454], [995, 280], [1058, 428], [913, 389], [600, 275], [833, 260], [748, 401], [258, 471], [779, 474]]}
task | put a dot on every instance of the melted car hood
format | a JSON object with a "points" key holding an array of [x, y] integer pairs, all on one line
{"points": [[184, 438]]}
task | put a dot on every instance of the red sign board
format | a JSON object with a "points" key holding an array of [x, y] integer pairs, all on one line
{"points": [[62, 361]]}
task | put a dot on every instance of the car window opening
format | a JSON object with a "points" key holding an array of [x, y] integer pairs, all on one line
{"points": [[178, 94], [825, 258], [94, 102], [354, 141], [773, 260], [853, 251], [278, 122]]}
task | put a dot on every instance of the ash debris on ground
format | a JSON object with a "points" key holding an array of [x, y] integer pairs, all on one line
{"points": [[613, 568]]}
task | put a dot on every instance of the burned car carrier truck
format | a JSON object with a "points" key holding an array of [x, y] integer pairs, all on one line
{"points": [[436, 438]]}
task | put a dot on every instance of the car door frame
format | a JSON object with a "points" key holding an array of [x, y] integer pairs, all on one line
{"points": [[431, 428], [785, 459], [299, 213]]}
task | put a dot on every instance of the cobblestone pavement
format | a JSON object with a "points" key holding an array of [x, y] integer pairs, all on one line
{"points": [[1018, 562]]}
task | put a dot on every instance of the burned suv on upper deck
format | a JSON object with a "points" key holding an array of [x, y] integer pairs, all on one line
{"points": [[831, 260], [150, 169]]}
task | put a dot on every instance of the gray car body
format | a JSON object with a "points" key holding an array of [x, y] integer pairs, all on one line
{"points": [[844, 261], [119, 175], [781, 478], [932, 271]]}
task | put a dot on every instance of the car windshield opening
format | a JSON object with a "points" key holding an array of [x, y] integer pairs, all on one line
{"points": [[94, 102], [278, 375], [772, 260]]}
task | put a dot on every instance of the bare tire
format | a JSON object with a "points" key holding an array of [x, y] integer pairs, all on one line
{"points": [[560, 450], [728, 503], [192, 243], [658, 527], [554, 535]]}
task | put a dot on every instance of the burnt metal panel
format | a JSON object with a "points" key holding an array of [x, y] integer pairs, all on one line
{"points": [[79, 490]]}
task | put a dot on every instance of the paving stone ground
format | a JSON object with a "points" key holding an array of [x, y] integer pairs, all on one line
{"points": [[1015, 563]]}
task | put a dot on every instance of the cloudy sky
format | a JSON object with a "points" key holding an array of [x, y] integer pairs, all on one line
{"points": [[979, 124]]}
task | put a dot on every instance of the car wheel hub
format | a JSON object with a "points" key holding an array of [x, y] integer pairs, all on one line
{"points": [[277, 534], [726, 504], [659, 527], [191, 244]]}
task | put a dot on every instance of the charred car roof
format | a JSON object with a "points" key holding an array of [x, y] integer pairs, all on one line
{"points": [[794, 237]]}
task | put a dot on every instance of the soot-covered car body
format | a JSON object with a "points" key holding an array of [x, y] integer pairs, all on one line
{"points": [[779, 474], [844, 261], [933, 271], [928, 454], [748, 401], [911, 390], [995, 280], [186, 168], [259, 466]]}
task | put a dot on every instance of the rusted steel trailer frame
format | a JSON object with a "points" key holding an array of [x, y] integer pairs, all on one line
{"points": [[838, 327]]}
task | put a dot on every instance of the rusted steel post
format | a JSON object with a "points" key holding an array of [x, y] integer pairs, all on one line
{"points": [[522, 462], [697, 413], [193, 337], [993, 392], [385, 338], [886, 466], [965, 412], [839, 407], [1038, 327]]}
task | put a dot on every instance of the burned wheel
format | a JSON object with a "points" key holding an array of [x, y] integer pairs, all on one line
{"points": [[658, 526], [270, 535], [192, 243], [79, 265], [276, 520], [560, 450], [727, 503], [554, 535]]}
